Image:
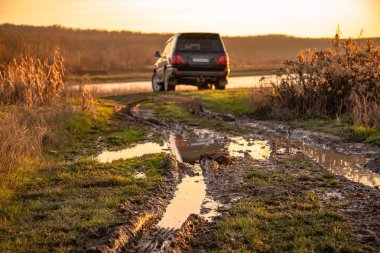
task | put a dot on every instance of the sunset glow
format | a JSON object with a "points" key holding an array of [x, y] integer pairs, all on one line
{"points": [[306, 18]]}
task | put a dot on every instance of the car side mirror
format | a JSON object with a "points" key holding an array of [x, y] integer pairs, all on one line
{"points": [[157, 54]]}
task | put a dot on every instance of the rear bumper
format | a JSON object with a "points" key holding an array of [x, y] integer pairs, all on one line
{"points": [[198, 74], [199, 77]]}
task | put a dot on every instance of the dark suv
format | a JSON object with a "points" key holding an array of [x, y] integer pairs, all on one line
{"points": [[191, 58]]}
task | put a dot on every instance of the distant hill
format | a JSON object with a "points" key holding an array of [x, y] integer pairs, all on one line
{"points": [[97, 51]]}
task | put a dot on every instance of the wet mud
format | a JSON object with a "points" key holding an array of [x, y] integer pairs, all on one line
{"points": [[205, 160]]}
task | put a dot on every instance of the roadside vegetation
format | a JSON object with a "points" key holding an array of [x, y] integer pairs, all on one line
{"points": [[343, 79], [53, 195]]}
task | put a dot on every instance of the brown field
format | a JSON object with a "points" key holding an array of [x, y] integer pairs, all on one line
{"points": [[110, 52]]}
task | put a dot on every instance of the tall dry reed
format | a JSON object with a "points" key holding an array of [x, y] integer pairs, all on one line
{"points": [[28, 81]]}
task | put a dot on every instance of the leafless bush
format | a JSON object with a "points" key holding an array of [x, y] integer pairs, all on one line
{"points": [[342, 79], [32, 82]]}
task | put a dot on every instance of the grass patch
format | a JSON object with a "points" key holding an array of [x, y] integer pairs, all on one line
{"points": [[124, 136], [283, 214], [112, 77], [86, 122], [58, 206], [342, 127], [255, 103], [172, 110], [280, 226], [175, 110], [233, 101], [86, 133]]}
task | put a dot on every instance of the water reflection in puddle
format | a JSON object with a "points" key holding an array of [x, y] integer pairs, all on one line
{"points": [[345, 165], [192, 148], [139, 175], [136, 151], [188, 199], [257, 149], [191, 196]]}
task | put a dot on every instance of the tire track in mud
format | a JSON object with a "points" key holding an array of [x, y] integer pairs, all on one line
{"points": [[222, 169], [159, 239], [363, 213], [141, 234], [139, 218], [365, 158]]}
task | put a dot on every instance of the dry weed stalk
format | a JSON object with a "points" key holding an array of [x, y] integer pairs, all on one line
{"points": [[87, 99]]}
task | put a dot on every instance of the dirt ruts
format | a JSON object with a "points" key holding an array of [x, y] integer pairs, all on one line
{"points": [[233, 173], [139, 218]]}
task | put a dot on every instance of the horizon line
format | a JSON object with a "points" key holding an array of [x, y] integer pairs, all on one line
{"points": [[171, 33]]}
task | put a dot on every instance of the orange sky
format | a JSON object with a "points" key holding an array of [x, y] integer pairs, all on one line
{"points": [[306, 18]]}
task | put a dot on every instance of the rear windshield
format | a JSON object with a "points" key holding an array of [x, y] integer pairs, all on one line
{"points": [[199, 42]]}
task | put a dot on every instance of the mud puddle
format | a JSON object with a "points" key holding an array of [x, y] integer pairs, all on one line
{"points": [[347, 165], [135, 151], [191, 148], [257, 149], [190, 198]]}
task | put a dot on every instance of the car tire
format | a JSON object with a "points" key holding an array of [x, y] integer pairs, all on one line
{"points": [[220, 87], [156, 85], [169, 83], [205, 87], [221, 84]]}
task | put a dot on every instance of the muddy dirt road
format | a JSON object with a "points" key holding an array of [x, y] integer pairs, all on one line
{"points": [[244, 185]]}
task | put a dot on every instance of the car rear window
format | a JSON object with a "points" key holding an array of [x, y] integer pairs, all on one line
{"points": [[196, 42]]}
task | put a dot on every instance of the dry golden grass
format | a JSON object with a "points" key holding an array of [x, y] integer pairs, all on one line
{"points": [[21, 135]]}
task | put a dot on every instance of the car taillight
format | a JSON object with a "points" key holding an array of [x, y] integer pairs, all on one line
{"points": [[177, 60], [222, 60]]}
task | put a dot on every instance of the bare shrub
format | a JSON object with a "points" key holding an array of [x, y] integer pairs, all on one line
{"points": [[32, 82], [342, 79], [260, 99]]}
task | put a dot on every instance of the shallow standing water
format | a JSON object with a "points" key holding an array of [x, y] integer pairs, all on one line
{"points": [[188, 199], [135, 151], [191, 196], [347, 165], [257, 149]]}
